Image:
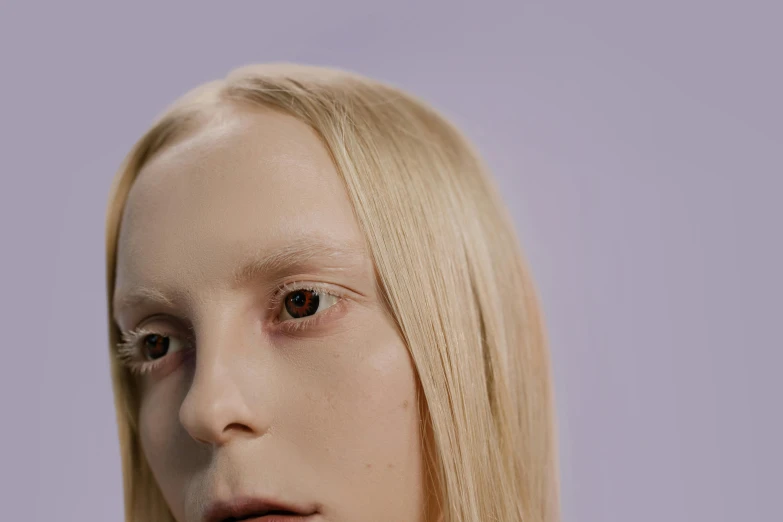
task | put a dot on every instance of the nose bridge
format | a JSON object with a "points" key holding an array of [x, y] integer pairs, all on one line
{"points": [[216, 407]]}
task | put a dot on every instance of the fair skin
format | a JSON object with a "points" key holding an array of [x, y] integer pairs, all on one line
{"points": [[246, 399]]}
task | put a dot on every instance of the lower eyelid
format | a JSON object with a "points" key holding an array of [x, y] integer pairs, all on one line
{"points": [[165, 365]]}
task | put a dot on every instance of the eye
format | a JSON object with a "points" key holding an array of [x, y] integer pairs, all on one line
{"points": [[144, 349], [154, 346], [305, 302]]}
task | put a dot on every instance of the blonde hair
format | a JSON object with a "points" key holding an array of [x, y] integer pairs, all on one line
{"points": [[434, 226]]}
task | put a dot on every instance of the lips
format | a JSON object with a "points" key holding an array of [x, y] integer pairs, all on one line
{"points": [[273, 516], [257, 509]]}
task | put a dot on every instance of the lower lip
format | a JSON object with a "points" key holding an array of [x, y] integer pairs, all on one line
{"points": [[282, 518]]}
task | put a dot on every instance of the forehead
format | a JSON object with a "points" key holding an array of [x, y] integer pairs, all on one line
{"points": [[250, 181]]}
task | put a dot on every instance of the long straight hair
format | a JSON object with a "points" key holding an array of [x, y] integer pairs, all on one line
{"points": [[448, 265]]}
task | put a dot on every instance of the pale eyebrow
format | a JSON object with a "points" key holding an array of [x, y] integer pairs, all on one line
{"points": [[139, 296], [303, 254]]}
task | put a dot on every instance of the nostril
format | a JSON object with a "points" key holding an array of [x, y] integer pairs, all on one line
{"points": [[236, 426]]}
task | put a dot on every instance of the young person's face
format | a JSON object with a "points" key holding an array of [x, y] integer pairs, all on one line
{"points": [[272, 370]]}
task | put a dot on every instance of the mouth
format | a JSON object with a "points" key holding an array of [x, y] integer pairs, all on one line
{"points": [[257, 510]]}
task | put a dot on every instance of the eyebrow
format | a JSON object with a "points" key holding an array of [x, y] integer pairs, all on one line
{"points": [[298, 255], [301, 254]]}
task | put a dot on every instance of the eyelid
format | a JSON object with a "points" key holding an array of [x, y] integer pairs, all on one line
{"points": [[282, 290]]}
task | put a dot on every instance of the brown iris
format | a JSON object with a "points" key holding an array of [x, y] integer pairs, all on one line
{"points": [[302, 303], [156, 346]]}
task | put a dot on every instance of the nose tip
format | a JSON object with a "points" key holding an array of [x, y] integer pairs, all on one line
{"points": [[214, 411]]}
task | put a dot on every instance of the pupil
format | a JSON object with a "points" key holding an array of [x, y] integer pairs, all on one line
{"points": [[299, 299], [157, 346]]}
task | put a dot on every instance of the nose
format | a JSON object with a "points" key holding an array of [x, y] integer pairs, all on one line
{"points": [[215, 410]]}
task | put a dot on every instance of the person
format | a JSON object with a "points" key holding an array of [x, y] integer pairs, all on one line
{"points": [[319, 311]]}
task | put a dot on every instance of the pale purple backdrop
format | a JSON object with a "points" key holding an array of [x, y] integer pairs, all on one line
{"points": [[639, 145]]}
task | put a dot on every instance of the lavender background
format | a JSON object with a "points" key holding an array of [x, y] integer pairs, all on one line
{"points": [[638, 145]]}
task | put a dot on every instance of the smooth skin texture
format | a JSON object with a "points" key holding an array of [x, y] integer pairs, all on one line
{"points": [[322, 416]]}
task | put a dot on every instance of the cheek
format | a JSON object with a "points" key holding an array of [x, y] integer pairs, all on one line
{"points": [[365, 424], [369, 392], [158, 415], [163, 440], [381, 395]]}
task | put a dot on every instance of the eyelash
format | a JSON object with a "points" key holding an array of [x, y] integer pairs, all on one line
{"points": [[128, 350]]}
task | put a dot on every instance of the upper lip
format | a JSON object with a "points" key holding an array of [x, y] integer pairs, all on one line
{"points": [[247, 507]]}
